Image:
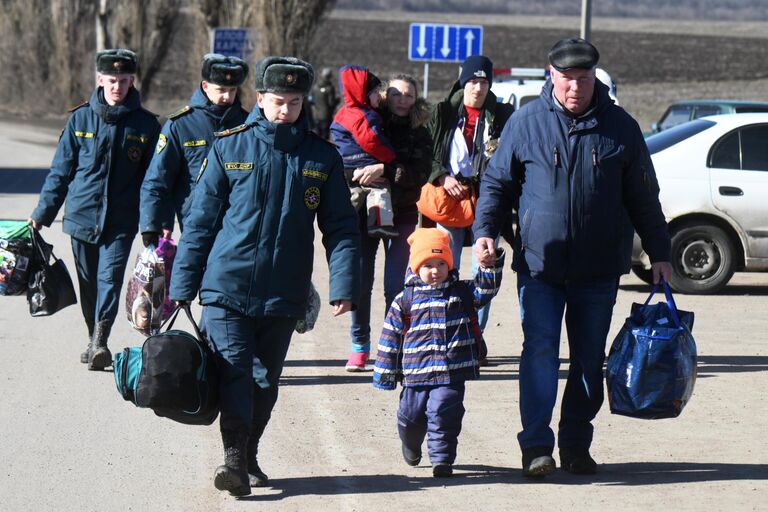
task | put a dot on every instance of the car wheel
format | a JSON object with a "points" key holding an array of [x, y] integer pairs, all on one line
{"points": [[645, 274], [702, 259]]}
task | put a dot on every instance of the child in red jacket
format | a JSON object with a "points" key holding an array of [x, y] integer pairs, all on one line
{"points": [[357, 131]]}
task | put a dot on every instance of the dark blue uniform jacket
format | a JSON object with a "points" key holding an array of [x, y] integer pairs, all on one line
{"points": [[98, 167], [249, 239], [184, 142], [580, 185]]}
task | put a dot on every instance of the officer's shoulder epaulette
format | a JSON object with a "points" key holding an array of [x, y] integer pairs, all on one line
{"points": [[77, 106], [230, 131], [317, 137], [183, 110]]}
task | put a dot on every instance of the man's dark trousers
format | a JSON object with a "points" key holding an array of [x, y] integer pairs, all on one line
{"points": [[588, 307]]}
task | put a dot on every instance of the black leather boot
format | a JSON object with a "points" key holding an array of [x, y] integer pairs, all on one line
{"points": [[99, 356], [256, 477], [233, 476], [84, 355], [263, 401]]}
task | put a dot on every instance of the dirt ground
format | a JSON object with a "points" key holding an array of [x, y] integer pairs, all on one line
{"points": [[69, 441]]}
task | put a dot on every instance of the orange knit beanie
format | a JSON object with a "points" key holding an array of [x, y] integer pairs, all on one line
{"points": [[429, 243]]}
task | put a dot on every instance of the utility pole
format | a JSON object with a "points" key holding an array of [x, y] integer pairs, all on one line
{"points": [[586, 19]]}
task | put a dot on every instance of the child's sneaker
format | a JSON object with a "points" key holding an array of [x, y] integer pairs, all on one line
{"points": [[356, 362], [442, 471], [383, 232]]}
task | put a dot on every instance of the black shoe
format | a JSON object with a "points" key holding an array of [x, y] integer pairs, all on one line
{"points": [[577, 461], [412, 458], [231, 479], [99, 356], [99, 359], [256, 477], [232, 476], [538, 462], [442, 471]]}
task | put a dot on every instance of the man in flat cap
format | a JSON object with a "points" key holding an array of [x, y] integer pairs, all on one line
{"points": [[98, 167], [184, 143], [576, 168], [248, 248], [465, 128]]}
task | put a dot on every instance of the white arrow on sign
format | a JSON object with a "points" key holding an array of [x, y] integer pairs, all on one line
{"points": [[421, 49], [445, 50], [469, 37]]}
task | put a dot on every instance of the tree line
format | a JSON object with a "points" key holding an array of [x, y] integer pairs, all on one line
{"points": [[732, 10], [47, 47]]}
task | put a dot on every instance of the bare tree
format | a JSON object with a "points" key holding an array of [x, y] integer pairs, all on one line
{"points": [[288, 27], [102, 31], [284, 27], [229, 13], [147, 28]]}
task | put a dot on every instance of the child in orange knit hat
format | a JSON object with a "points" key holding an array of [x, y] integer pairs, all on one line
{"points": [[432, 343]]}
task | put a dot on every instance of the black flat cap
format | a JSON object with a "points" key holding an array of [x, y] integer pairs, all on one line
{"points": [[222, 70], [573, 53], [116, 61], [283, 74]]}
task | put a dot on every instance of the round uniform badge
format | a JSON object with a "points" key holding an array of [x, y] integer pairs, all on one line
{"points": [[162, 141], [134, 153], [312, 198]]}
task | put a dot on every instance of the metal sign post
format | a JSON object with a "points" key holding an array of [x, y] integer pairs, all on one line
{"points": [[430, 42]]}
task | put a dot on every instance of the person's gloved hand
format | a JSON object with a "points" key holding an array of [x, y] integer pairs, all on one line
{"points": [[150, 238], [181, 303]]}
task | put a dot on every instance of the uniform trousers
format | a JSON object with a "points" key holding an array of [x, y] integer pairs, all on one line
{"points": [[100, 271], [251, 352]]}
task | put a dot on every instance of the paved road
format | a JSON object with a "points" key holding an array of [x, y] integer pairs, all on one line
{"points": [[69, 442]]}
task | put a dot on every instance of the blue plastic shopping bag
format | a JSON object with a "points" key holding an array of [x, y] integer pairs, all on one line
{"points": [[651, 366]]}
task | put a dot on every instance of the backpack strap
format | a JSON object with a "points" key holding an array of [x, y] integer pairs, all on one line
{"points": [[467, 296], [405, 305]]}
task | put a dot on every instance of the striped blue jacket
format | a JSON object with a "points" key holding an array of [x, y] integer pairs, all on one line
{"points": [[431, 341]]}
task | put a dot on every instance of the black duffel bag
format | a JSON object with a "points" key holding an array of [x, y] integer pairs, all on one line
{"points": [[174, 373], [50, 288]]}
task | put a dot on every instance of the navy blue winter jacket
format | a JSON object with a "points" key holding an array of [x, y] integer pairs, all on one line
{"points": [[249, 239], [98, 168], [579, 184], [184, 142]]}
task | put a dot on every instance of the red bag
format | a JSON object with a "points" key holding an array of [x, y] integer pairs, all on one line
{"points": [[442, 208]]}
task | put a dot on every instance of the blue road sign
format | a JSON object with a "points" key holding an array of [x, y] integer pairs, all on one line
{"points": [[232, 42], [444, 43]]}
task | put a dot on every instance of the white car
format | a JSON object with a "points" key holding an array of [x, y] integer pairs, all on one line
{"points": [[713, 176]]}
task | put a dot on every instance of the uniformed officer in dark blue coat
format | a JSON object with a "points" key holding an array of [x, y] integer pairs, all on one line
{"points": [[184, 142], [98, 168], [248, 249]]}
